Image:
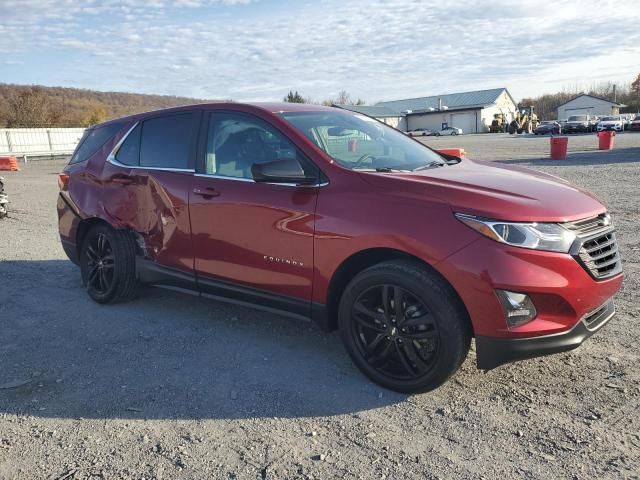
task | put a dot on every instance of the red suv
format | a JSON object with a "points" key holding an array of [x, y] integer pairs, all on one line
{"points": [[329, 215]]}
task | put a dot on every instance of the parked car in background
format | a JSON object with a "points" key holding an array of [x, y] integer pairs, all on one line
{"points": [[420, 132], [611, 123], [328, 215], [548, 127], [635, 123], [449, 131], [580, 124]]}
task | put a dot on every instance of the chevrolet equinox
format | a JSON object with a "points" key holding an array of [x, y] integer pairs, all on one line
{"points": [[329, 215]]}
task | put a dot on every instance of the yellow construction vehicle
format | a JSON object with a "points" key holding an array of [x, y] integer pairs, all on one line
{"points": [[525, 120], [499, 123]]}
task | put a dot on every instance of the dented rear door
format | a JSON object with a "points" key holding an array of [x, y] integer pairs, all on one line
{"points": [[147, 182]]}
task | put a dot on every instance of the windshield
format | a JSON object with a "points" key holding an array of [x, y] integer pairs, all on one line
{"points": [[578, 118], [359, 142], [610, 119]]}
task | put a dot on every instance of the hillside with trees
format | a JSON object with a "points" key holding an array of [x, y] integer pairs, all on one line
{"points": [[37, 106]]}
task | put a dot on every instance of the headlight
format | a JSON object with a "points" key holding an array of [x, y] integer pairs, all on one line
{"points": [[538, 236]]}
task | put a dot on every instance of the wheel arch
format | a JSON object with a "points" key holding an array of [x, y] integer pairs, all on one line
{"points": [[361, 260], [88, 223]]}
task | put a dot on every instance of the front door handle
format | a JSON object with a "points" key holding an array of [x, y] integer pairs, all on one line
{"points": [[208, 192]]}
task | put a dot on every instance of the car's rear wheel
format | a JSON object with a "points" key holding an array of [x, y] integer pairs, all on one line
{"points": [[403, 326], [107, 264]]}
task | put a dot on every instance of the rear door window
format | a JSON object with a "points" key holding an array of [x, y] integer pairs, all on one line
{"points": [[166, 141], [93, 139]]}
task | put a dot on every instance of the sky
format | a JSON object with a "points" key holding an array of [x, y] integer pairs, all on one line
{"points": [[257, 50]]}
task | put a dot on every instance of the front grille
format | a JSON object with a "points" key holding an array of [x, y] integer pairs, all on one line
{"points": [[600, 255], [596, 248], [588, 226]]}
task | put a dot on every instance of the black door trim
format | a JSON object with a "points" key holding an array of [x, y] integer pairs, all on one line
{"points": [[152, 273]]}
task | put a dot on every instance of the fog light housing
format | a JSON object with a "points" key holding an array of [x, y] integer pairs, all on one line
{"points": [[517, 307]]}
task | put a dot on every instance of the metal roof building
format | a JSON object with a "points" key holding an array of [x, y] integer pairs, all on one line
{"points": [[471, 111], [588, 105], [384, 114]]}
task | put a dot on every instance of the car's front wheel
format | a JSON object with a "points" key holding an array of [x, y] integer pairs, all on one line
{"points": [[108, 264], [403, 326]]}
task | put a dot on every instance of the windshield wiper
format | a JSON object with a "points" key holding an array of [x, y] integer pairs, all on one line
{"points": [[389, 170], [429, 165], [381, 170]]}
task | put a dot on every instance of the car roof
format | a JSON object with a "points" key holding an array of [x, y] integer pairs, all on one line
{"points": [[271, 107]]}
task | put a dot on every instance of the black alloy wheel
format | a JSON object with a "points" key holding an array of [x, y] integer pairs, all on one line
{"points": [[396, 332], [404, 326], [108, 264], [100, 264]]}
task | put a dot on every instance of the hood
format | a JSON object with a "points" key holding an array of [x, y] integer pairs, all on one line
{"points": [[611, 122], [492, 190]]}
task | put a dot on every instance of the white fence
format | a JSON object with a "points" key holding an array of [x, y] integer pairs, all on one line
{"points": [[37, 142]]}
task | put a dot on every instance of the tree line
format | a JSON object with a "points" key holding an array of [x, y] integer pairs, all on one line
{"points": [[625, 93], [343, 98], [38, 106]]}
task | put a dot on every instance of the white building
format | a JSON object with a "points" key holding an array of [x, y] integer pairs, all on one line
{"points": [[384, 114], [588, 105], [471, 111]]}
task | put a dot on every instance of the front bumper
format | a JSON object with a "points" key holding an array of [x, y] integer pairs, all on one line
{"points": [[495, 351], [616, 128], [562, 288], [573, 128]]}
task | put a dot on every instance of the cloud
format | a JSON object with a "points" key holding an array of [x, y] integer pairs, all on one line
{"points": [[375, 49]]}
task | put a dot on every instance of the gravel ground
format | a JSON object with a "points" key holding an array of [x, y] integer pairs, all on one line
{"points": [[172, 386]]}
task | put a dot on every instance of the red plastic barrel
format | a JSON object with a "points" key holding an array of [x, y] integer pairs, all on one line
{"points": [[455, 152], [559, 148], [606, 140]]}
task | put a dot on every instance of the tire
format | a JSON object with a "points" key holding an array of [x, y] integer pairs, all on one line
{"points": [[529, 128], [108, 265], [410, 355], [437, 134], [454, 133]]}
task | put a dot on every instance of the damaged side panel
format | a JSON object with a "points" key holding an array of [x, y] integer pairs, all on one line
{"points": [[154, 204]]}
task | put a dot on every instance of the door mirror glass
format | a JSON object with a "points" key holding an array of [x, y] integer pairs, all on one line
{"points": [[282, 170]]}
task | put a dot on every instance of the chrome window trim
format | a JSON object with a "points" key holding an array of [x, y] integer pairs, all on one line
{"points": [[113, 161]]}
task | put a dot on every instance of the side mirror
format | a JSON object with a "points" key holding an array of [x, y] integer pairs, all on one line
{"points": [[287, 170]]}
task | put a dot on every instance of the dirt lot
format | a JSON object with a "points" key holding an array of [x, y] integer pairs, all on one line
{"points": [[173, 386]]}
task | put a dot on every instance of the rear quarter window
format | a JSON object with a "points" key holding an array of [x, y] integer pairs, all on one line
{"points": [[129, 151], [93, 139]]}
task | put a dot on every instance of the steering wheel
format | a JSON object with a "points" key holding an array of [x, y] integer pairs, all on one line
{"points": [[362, 159]]}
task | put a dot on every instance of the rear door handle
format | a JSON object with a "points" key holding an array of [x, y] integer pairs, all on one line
{"points": [[208, 192]]}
